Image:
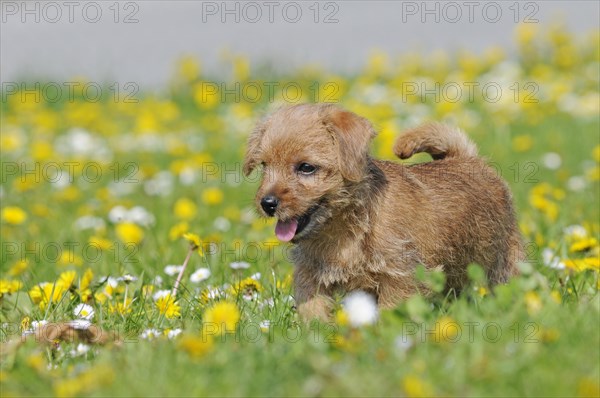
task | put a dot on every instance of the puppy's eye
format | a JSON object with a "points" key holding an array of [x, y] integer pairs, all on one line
{"points": [[306, 169]]}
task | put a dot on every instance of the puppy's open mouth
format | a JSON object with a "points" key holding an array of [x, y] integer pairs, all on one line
{"points": [[286, 230]]}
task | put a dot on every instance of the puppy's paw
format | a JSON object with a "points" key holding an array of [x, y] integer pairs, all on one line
{"points": [[318, 307]]}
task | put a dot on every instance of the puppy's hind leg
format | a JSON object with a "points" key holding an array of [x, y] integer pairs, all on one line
{"points": [[438, 140]]}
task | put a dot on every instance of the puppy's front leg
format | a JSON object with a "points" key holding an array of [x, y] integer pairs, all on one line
{"points": [[313, 302]]}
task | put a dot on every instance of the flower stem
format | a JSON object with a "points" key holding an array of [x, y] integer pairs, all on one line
{"points": [[185, 262]]}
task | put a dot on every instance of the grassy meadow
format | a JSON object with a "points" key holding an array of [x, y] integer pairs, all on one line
{"points": [[106, 191]]}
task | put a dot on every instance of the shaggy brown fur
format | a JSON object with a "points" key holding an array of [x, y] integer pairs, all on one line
{"points": [[364, 223]]}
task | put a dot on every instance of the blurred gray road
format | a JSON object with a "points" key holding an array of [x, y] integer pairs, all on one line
{"points": [[140, 40]]}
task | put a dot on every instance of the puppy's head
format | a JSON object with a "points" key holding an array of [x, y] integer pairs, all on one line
{"points": [[309, 155]]}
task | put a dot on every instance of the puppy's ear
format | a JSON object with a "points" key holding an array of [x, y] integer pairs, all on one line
{"points": [[251, 159], [352, 135]]}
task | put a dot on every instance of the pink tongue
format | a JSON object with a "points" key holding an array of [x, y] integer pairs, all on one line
{"points": [[285, 231]]}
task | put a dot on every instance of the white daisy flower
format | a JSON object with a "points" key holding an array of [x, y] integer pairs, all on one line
{"points": [[552, 160], [80, 324], [201, 274], [150, 334], [550, 259], [187, 176], [403, 343], [35, 325], [239, 265], [161, 184], [61, 180], [173, 333], [84, 311], [127, 278], [256, 276], [117, 214], [81, 349], [141, 216], [250, 296], [265, 325], [576, 183], [173, 270], [575, 232], [89, 222], [361, 308], [214, 293], [222, 224], [160, 293]]}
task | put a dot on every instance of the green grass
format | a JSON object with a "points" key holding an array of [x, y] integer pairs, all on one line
{"points": [[538, 335]]}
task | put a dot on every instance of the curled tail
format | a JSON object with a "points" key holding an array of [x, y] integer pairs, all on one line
{"points": [[436, 139]]}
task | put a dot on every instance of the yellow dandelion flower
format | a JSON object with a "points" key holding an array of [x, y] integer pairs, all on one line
{"points": [[168, 307], [248, 288], [68, 257], [101, 297], [341, 318], [223, 316], [446, 329], [547, 207], [46, 293], [36, 362], [13, 215], [232, 213], [194, 241], [121, 308], [589, 387], [147, 290], [549, 335], [196, 346], [40, 210], [284, 285], [129, 233], [533, 302], [100, 243], [25, 323], [86, 295], [178, 230], [582, 264], [18, 268], [241, 68], [86, 279], [67, 279], [185, 209], [69, 194], [593, 173], [583, 245], [522, 143], [206, 96], [41, 151], [189, 68], [10, 141], [596, 153], [23, 185], [414, 386], [9, 287], [526, 33], [212, 196]]}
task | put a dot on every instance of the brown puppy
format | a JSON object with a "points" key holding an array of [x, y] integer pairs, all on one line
{"points": [[361, 223]]}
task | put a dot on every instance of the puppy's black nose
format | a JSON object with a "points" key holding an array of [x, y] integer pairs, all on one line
{"points": [[269, 204]]}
